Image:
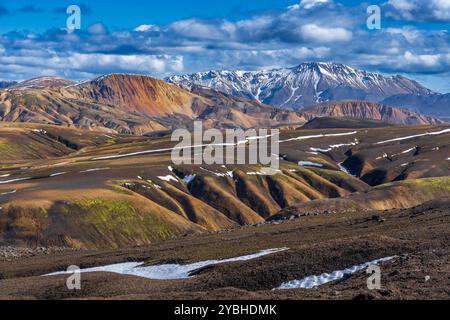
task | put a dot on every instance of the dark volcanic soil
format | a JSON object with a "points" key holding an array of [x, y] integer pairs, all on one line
{"points": [[420, 238]]}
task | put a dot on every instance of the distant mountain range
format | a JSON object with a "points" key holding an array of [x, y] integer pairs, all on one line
{"points": [[132, 104], [138, 104], [313, 83], [434, 104]]}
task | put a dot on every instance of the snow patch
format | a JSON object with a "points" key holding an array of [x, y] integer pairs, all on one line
{"points": [[310, 164], [188, 179], [6, 193], [320, 136], [168, 271], [416, 136], [14, 180], [315, 281], [57, 174], [168, 178], [39, 131], [94, 170]]}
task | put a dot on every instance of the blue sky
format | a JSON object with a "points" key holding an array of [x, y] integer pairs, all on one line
{"points": [[161, 38]]}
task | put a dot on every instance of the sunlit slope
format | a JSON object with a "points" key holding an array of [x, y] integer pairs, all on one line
{"points": [[104, 190]]}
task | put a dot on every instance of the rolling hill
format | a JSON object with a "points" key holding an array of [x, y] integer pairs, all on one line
{"points": [[62, 187], [364, 110]]}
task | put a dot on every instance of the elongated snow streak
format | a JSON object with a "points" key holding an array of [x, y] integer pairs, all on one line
{"points": [[416, 136], [4, 176], [168, 178], [57, 174], [14, 180], [320, 136], [6, 193], [315, 281], [168, 271], [94, 170], [139, 153], [310, 164]]}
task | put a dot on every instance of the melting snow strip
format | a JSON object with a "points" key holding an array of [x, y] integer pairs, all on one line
{"points": [[6, 193], [321, 136], [14, 180], [416, 136], [315, 281], [168, 271], [310, 164], [57, 174], [119, 156], [168, 178], [94, 170]]}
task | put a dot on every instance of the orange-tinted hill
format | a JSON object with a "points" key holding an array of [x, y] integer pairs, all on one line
{"points": [[368, 111], [137, 94], [135, 104]]}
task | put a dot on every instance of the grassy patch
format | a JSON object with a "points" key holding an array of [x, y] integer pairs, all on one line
{"points": [[427, 184], [432, 184], [120, 218]]}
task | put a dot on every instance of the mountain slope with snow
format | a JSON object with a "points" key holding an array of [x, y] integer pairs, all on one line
{"points": [[304, 85]]}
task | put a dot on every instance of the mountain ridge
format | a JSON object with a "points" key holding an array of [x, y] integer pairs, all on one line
{"points": [[132, 104], [304, 85]]}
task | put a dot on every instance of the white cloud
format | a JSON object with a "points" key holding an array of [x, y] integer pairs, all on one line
{"points": [[416, 10], [315, 33], [411, 35], [308, 4], [90, 64], [426, 60], [127, 63], [441, 9], [146, 27]]}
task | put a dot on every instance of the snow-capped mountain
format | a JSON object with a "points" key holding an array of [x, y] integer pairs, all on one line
{"points": [[304, 85]]}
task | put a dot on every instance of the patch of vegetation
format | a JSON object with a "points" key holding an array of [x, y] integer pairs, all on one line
{"points": [[427, 184], [120, 218], [432, 184], [9, 149]]}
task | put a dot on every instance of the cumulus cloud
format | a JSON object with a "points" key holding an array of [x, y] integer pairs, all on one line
{"points": [[316, 33], [312, 30], [308, 4], [414, 10], [146, 27]]}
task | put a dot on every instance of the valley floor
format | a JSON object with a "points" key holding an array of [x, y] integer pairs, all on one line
{"points": [[419, 238]]}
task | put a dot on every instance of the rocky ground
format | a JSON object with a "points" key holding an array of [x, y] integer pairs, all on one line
{"points": [[418, 237], [9, 253]]}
